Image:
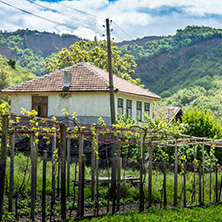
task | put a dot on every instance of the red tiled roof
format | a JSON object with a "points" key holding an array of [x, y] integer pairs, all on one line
{"points": [[85, 78]]}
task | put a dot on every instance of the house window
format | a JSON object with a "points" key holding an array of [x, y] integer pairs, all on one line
{"points": [[40, 104], [128, 108], [147, 108], [120, 106], [139, 110]]}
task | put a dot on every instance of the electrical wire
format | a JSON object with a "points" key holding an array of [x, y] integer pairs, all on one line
{"points": [[117, 35], [38, 16], [64, 14], [123, 31], [77, 10]]}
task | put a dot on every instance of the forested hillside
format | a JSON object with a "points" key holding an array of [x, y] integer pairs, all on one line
{"points": [[185, 69], [30, 48], [11, 74]]}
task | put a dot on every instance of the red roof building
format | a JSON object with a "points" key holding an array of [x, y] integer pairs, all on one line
{"points": [[81, 88]]}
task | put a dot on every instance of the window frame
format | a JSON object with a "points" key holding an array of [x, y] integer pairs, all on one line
{"points": [[128, 108], [120, 107], [147, 111], [139, 110], [41, 104]]}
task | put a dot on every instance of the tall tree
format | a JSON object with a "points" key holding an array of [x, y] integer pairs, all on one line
{"points": [[94, 52]]}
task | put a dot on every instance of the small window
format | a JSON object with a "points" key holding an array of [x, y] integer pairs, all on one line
{"points": [[147, 108], [139, 110], [120, 106], [128, 108], [40, 104]]}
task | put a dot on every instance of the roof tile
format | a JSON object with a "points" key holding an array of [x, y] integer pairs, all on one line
{"points": [[85, 78]]}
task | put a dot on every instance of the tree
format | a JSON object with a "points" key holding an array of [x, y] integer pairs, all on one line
{"points": [[12, 62], [4, 83], [201, 123], [94, 52]]}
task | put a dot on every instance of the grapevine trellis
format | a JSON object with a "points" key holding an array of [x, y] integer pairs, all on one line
{"points": [[67, 129]]}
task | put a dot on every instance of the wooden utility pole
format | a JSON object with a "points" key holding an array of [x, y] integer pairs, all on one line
{"points": [[111, 88], [112, 111]]}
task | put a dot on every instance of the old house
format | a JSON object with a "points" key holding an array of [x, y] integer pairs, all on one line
{"points": [[84, 89]]}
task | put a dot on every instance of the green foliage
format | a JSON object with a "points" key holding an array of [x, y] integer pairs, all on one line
{"points": [[34, 62], [12, 63], [11, 75], [94, 52], [201, 123]]}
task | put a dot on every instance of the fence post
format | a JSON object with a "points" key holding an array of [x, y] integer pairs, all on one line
{"points": [[12, 145], [93, 172], [210, 175], [114, 183], [175, 174], [97, 172], [118, 175], [68, 165], [185, 188], [81, 188], [164, 180], [200, 196], [80, 192], [150, 174], [113, 177], [33, 176], [141, 173], [203, 172], [3, 160], [216, 183], [63, 169], [83, 182], [53, 169], [194, 167], [44, 183]]}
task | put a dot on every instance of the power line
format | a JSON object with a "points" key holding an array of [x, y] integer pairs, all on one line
{"points": [[66, 15], [123, 31], [77, 10], [148, 61], [117, 35], [38, 16]]}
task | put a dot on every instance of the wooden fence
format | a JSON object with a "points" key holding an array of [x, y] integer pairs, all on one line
{"points": [[117, 181]]}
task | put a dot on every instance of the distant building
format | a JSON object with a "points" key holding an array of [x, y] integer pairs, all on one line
{"points": [[170, 112]]}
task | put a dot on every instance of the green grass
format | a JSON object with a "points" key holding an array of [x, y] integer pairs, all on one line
{"points": [[208, 213]]}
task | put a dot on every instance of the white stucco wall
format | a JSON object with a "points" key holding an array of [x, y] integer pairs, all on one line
{"points": [[19, 101], [88, 106]]}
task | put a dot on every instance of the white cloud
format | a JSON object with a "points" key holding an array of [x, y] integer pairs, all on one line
{"points": [[86, 33], [138, 18]]}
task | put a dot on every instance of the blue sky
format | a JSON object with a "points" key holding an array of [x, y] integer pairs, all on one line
{"points": [[131, 18]]}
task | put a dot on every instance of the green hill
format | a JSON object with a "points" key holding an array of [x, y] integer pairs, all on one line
{"points": [[185, 69], [30, 48], [11, 74]]}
